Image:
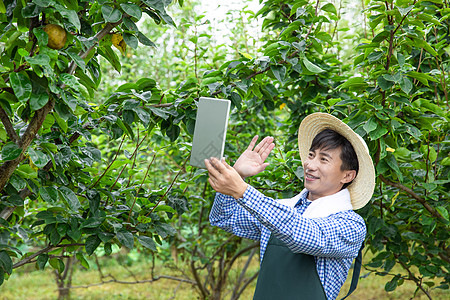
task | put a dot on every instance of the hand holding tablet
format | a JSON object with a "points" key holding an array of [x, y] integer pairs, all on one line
{"points": [[210, 130]]}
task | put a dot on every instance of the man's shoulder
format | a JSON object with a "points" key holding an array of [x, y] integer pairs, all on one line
{"points": [[348, 214]]}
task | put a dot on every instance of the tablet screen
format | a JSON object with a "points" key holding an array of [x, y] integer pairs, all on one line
{"points": [[210, 130]]}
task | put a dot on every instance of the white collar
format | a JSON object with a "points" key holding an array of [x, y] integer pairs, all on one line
{"points": [[324, 206]]}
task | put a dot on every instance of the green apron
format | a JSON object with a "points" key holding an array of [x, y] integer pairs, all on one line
{"points": [[285, 275]]}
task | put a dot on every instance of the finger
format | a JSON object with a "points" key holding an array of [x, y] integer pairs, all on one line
{"points": [[213, 172], [225, 163], [261, 144], [212, 183], [252, 143], [263, 167], [267, 151], [268, 142], [217, 164]]}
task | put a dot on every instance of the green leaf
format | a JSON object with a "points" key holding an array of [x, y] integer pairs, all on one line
{"points": [[40, 59], [129, 24], [405, 11], [375, 56], [126, 239], [92, 222], [159, 112], [400, 59], [55, 238], [378, 133], [5, 262], [354, 82], [92, 242], [422, 77], [391, 285], [143, 115], [329, 7], [48, 194], [173, 132], [158, 5], [41, 261], [144, 40], [11, 151], [57, 264], [39, 158], [111, 15], [392, 163], [443, 212], [70, 80], [70, 197], [26, 171], [131, 40], [147, 242], [77, 59], [370, 125], [110, 56], [70, 15], [406, 85], [3, 11], [61, 122], [15, 200], [236, 100], [132, 9], [384, 84], [38, 101], [423, 44], [82, 260], [21, 86], [312, 67], [279, 72]]}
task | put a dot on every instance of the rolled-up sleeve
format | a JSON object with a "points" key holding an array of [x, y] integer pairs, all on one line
{"points": [[227, 214]]}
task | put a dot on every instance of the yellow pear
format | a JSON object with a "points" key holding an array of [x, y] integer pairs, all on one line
{"points": [[57, 36]]}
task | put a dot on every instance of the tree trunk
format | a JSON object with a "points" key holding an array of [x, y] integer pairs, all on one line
{"points": [[64, 280]]}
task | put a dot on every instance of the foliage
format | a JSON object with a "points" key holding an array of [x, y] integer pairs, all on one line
{"points": [[56, 192]]}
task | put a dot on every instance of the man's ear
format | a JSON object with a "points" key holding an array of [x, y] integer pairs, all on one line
{"points": [[349, 175]]}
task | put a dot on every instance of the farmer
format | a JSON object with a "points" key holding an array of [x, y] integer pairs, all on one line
{"points": [[307, 242]]}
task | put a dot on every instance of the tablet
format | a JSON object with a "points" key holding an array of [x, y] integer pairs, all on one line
{"points": [[210, 130]]}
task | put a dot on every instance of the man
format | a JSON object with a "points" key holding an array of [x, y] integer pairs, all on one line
{"points": [[307, 242]]}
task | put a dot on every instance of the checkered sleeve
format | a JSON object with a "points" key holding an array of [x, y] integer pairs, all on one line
{"points": [[227, 214], [339, 235]]}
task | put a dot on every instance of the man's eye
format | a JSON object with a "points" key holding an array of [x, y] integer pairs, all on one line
{"points": [[323, 159]]}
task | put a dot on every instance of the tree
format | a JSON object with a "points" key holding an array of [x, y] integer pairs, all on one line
{"points": [[51, 193]]}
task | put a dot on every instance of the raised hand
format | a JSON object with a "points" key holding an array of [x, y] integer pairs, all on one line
{"points": [[251, 161]]}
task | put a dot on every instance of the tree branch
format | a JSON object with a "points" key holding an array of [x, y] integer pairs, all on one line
{"points": [[8, 125], [410, 192], [36, 122], [49, 248]]}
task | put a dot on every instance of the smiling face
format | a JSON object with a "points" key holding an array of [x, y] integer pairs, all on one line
{"points": [[323, 173]]}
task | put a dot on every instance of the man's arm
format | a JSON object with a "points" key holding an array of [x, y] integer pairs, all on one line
{"points": [[338, 236], [227, 214]]}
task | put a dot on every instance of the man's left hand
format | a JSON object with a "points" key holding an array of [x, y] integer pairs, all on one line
{"points": [[224, 178]]}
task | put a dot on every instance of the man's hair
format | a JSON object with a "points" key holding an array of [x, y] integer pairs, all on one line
{"points": [[329, 139]]}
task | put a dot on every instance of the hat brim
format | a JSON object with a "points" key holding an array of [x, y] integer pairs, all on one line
{"points": [[362, 187]]}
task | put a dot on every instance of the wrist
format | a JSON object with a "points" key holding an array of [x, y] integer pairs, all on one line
{"points": [[240, 191]]}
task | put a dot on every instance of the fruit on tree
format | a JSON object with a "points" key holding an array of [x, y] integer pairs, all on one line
{"points": [[57, 36]]}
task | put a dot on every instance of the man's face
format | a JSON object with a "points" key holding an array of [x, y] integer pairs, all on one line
{"points": [[323, 174]]}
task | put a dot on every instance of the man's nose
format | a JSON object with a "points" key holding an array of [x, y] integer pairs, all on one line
{"points": [[311, 164]]}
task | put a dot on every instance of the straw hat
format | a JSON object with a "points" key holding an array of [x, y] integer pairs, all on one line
{"points": [[361, 189]]}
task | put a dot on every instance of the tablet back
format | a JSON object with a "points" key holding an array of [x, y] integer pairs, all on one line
{"points": [[210, 130]]}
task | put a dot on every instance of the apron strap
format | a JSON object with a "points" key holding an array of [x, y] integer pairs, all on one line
{"points": [[356, 271]]}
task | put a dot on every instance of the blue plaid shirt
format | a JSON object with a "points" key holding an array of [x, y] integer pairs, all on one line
{"points": [[334, 241]]}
